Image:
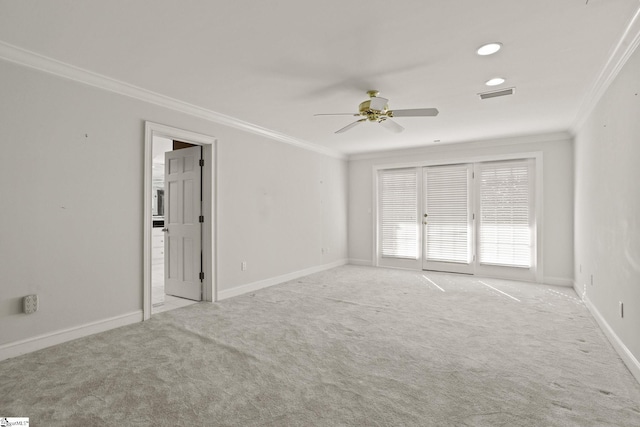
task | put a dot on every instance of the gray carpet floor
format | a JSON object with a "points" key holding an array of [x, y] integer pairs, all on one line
{"points": [[349, 346]]}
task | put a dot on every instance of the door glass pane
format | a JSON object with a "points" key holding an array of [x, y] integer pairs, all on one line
{"points": [[505, 235], [399, 213], [448, 233]]}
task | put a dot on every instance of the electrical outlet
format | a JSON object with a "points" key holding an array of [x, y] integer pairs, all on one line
{"points": [[243, 266], [30, 304]]}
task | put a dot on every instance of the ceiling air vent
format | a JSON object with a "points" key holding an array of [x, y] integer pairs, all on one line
{"points": [[496, 93]]}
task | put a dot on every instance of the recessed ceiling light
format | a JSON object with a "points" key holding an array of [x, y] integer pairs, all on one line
{"points": [[495, 81], [489, 48]]}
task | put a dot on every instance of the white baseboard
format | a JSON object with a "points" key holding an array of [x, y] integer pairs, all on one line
{"points": [[625, 354], [261, 284], [580, 290], [364, 262], [58, 337], [558, 281]]}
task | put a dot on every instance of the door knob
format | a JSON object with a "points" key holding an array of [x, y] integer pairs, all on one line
{"points": [[426, 215]]}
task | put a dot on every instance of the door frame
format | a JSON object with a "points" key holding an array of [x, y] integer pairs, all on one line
{"points": [[151, 129], [417, 264]]}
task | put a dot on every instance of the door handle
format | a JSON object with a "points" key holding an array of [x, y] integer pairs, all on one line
{"points": [[166, 230]]}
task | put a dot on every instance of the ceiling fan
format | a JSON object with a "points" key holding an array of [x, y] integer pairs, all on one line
{"points": [[377, 110]]}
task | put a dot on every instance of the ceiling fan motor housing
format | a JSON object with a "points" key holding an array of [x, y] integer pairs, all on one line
{"points": [[370, 114]]}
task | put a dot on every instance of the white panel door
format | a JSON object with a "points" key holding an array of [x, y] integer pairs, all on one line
{"points": [[448, 218], [183, 260]]}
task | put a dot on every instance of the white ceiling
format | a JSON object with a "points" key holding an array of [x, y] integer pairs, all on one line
{"points": [[276, 63]]}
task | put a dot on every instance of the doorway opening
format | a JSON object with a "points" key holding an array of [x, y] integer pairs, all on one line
{"points": [[169, 237]]}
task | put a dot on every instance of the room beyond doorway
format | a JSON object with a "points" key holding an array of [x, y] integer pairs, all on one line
{"points": [[159, 139]]}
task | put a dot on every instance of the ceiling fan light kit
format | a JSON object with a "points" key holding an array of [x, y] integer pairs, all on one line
{"points": [[376, 109]]}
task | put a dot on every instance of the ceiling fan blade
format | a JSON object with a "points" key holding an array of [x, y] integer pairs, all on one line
{"points": [[414, 112], [349, 126], [337, 114], [378, 103], [391, 125]]}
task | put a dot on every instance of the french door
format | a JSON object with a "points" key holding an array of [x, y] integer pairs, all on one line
{"points": [[506, 223], [463, 218], [399, 229], [447, 218]]}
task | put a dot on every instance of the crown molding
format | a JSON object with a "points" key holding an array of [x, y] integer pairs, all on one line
{"points": [[618, 57], [45, 64], [454, 147]]}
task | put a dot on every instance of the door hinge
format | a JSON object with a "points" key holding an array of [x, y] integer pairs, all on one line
{"points": [[201, 275], [473, 216], [201, 162], [201, 219], [473, 175]]}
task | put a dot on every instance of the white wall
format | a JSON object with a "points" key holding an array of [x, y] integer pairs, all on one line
{"points": [[607, 208], [557, 151], [71, 227], [278, 206]]}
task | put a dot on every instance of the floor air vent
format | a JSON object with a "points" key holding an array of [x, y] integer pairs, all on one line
{"points": [[496, 93]]}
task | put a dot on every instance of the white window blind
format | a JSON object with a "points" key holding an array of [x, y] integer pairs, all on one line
{"points": [[446, 198], [399, 213], [506, 210]]}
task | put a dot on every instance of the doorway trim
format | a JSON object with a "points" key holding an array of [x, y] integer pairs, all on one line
{"points": [[151, 129]]}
